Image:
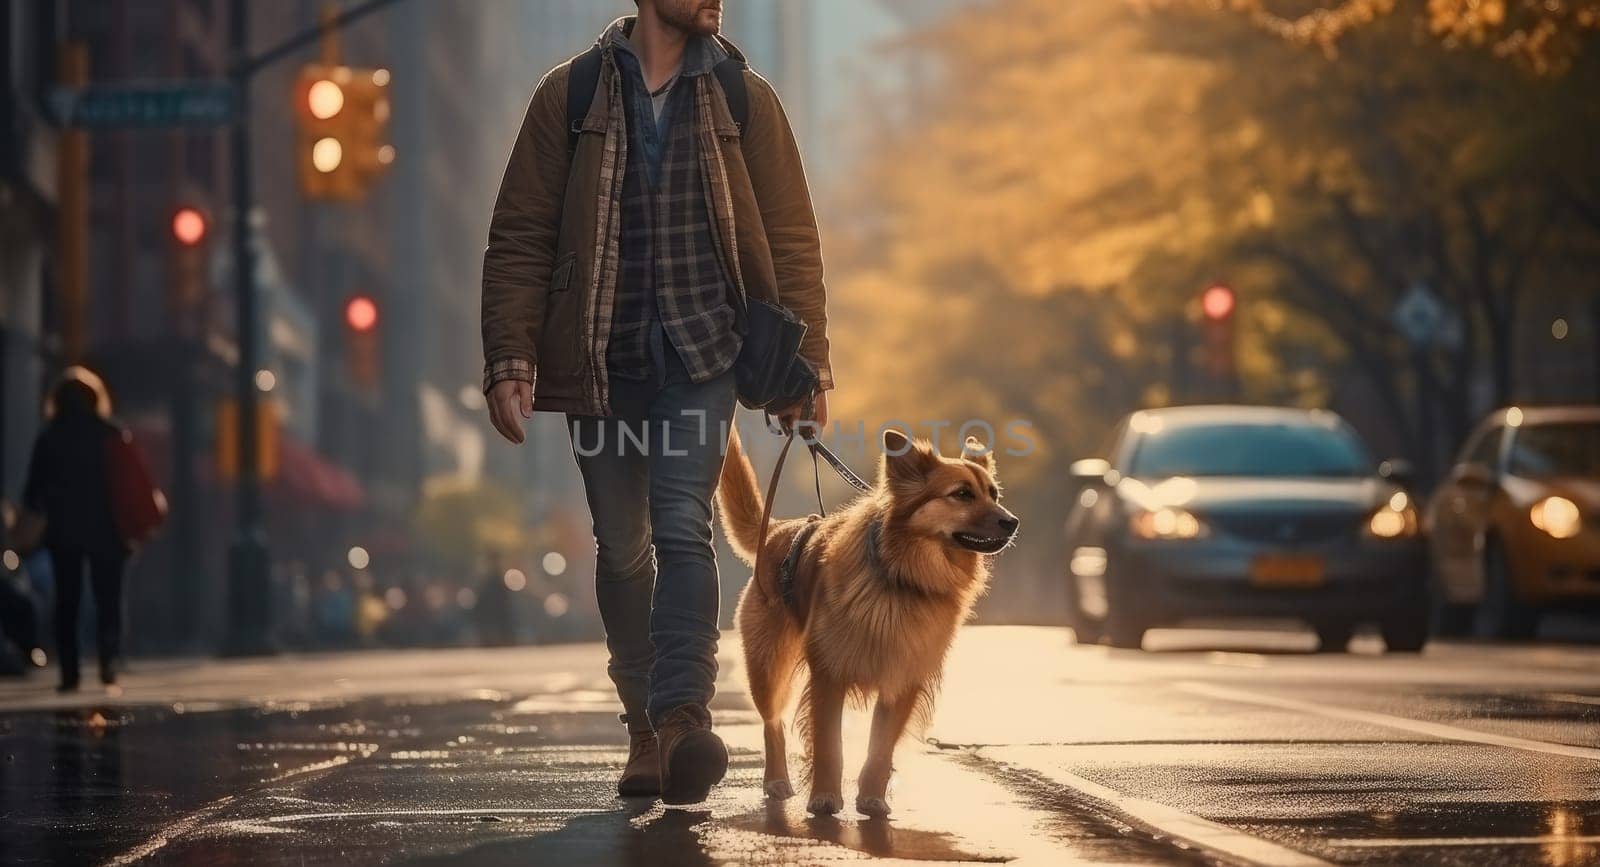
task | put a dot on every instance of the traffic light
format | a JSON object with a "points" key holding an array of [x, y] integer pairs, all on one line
{"points": [[361, 321], [268, 425], [190, 229], [342, 138], [1218, 304], [361, 313]]}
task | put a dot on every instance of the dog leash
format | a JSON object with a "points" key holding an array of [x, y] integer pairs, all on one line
{"points": [[817, 450], [839, 466]]}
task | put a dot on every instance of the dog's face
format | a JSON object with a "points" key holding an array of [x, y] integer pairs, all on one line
{"points": [[953, 500]]}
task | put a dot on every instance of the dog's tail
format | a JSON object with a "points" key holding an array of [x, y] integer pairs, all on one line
{"points": [[739, 502]]}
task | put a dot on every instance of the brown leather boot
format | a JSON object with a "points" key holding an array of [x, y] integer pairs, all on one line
{"points": [[693, 758], [641, 777]]}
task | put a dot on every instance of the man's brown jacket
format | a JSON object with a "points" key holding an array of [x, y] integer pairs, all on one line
{"points": [[550, 270]]}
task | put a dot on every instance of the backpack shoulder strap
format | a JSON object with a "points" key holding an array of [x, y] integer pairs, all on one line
{"points": [[581, 82], [730, 73]]}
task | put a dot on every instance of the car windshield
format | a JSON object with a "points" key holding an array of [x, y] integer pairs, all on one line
{"points": [[1571, 449], [1270, 450]]}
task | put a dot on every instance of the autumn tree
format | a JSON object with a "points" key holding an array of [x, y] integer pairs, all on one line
{"points": [[1543, 35], [1400, 163], [1030, 226]]}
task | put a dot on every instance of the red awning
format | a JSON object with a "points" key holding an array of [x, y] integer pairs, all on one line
{"points": [[306, 477]]}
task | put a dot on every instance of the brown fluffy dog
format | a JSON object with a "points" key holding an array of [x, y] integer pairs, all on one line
{"points": [[877, 596]]}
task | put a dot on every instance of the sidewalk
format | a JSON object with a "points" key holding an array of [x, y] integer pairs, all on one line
{"points": [[202, 683]]}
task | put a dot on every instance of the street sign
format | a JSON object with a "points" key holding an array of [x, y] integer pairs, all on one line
{"points": [[145, 104], [1419, 315]]}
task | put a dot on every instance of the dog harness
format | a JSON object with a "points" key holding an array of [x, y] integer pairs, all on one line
{"points": [[791, 564], [789, 569]]}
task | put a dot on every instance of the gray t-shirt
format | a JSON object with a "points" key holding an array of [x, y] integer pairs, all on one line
{"points": [[658, 98]]}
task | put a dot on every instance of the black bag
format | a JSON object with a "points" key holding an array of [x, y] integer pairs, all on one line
{"points": [[769, 373]]}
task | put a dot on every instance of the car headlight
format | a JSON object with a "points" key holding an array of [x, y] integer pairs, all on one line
{"points": [[1557, 516], [1166, 523], [1396, 519], [1388, 523]]}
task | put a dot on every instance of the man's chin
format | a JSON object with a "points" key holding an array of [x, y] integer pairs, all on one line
{"points": [[708, 23]]}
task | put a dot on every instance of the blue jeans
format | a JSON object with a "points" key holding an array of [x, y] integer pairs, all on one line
{"points": [[649, 474]]}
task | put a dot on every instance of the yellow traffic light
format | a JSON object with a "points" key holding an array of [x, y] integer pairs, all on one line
{"points": [[268, 427], [324, 99], [327, 154], [342, 137]]}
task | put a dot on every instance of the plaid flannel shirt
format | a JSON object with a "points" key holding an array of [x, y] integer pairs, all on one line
{"points": [[670, 274]]}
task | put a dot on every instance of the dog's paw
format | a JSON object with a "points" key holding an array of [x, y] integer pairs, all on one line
{"points": [[779, 790], [825, 804], [872, 806]]}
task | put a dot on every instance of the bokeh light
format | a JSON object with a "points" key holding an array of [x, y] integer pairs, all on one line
{"points": [[359, 558], [515, 580], [554, 564], [556, 605]]}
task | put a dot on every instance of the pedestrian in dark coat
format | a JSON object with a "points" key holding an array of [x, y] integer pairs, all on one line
{"points": [[68, 485]]}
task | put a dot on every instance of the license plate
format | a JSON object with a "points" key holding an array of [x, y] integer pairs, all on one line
{"points": [[1286, 570]]}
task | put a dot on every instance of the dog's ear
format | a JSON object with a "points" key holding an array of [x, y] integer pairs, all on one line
{"points": [[905, 459], [975, 451]]}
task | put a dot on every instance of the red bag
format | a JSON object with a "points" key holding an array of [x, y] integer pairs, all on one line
{"points": [[137, 505]]}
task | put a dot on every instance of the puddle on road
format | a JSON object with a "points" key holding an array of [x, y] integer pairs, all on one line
{"points": [[880, 838], [1554, 834]]}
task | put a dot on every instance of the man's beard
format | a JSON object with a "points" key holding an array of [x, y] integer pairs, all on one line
{"points": [[694, 18]]}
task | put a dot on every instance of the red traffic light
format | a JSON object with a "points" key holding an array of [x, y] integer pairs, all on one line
{"points": [[1217, 302], [189, 227], [361, 313]]}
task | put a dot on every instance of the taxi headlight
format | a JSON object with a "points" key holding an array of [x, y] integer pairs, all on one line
{"points": [[1557, 516]]}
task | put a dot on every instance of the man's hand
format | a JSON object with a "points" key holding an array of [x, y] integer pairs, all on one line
{"points": [[819, 413], [510, 401]]}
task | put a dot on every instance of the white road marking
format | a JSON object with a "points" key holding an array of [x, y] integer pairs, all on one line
{"points": [[1237, 660], [1442, 731], [1185, 826], [1431, 842]]}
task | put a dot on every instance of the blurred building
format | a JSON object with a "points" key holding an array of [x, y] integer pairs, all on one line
{"points": [[830, 59], [27, 229]]}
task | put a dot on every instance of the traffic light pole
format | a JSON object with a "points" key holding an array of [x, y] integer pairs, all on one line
{"points": [[250, 592], [249, 585]]}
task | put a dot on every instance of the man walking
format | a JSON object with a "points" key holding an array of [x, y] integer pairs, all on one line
{"points": [[655, 180]]}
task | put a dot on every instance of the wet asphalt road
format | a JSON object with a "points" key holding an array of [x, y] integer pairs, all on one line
{"points": [[1210, 747]]}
